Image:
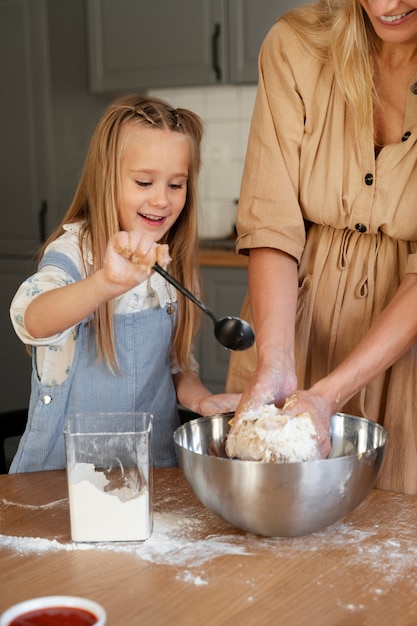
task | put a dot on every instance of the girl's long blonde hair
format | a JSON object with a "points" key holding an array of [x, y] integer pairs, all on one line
{"points": [[339, 32], [95, 203]]}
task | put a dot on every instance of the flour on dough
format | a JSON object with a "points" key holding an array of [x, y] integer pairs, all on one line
{"points": [[270, 436]]}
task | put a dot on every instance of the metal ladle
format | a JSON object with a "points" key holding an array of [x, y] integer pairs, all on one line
{"points": [[232, 332]]}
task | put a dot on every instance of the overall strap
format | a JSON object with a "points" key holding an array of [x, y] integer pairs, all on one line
{"points": [[63, 262]]}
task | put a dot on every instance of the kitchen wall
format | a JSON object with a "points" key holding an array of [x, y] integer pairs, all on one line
{"points": [[226, 112]]}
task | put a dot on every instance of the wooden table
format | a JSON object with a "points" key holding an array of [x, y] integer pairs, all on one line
{"points": [[197, 570]]}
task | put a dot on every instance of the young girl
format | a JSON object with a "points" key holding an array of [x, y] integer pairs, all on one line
{"points": [[108, 333]]}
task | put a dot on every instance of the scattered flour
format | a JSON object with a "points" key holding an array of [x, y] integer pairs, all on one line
{"points": [[179, 540], [48, 505], [172, 543], [188, 577], [169, 544]]}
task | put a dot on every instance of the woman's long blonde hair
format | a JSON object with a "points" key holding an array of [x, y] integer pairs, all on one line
{"points": [[95, 204], [339, 32]]}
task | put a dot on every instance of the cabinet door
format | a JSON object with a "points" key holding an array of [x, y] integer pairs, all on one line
{"points": [[15, 364], [24, 124], [138, 44], [249, 23], [224, 292]]}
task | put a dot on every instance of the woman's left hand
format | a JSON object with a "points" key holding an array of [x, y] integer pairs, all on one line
{"points": [[319, 411]]}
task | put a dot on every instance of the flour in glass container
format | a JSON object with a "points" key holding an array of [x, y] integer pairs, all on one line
{"points": [[104, 509]]}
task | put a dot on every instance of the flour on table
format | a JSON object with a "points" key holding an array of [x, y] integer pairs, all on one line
{"points": [[171, 543], [270, 436], [178, 540], [189, 577]]}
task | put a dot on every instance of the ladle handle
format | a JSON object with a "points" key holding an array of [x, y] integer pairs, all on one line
{"points": [[184, 291]]}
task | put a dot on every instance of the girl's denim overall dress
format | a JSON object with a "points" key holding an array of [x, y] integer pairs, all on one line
{"points": [[144, 383]]}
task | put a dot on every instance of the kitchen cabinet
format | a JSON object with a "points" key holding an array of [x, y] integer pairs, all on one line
{"points": [[136, 45], [24, 172], [249, 22], [15, 366], [24, 125], [224, 289]]}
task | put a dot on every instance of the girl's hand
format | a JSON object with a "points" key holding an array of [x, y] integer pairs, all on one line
{"points": [[219, 403], [130, 257]]}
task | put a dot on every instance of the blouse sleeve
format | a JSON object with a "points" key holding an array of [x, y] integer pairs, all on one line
{"points": [[270, 182], [48, 278]]}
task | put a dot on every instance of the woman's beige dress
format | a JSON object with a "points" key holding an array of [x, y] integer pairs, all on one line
{"points": [[303, 152]]}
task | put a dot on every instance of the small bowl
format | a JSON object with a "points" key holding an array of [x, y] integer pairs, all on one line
{"points": [[49, 602], [281, 499]]}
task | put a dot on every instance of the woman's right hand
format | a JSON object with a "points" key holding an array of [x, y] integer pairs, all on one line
{"points": [[271, 384], [273, 305]]}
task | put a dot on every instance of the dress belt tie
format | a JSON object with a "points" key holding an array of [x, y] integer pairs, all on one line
{"points": [[347, 249]]}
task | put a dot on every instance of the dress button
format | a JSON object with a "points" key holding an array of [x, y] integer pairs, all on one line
{"points": [[369, 179], [361, 228], [406, 136], [46, 399], [170, 309], [414, 88]]}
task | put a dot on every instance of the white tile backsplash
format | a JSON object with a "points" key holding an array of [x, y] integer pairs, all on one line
{"points": [[226, 112], [217, 218]]}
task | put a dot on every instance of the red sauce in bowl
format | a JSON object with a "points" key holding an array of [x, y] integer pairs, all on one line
{"points": [[56, 616]]}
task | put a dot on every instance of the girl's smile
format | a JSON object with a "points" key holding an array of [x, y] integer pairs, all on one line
{"points": [[153, 179]]}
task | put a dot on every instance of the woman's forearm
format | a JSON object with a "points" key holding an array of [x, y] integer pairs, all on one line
{"points": [[390, 336], [273, 289]]}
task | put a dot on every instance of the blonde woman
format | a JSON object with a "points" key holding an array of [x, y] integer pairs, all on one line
{"points": [[106, 332], [328, 217]]}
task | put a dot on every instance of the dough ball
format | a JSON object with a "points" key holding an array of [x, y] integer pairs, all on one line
{"points": [[270, 436]]}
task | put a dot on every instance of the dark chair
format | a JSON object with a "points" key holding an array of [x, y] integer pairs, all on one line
{"points": [[186, 414], [12, 424]]}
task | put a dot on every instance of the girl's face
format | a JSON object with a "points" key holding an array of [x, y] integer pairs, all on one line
{"points": [[153, 179], [394, 21]]}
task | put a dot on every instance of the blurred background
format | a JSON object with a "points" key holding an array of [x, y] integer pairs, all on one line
{"points": [[61, 63]]}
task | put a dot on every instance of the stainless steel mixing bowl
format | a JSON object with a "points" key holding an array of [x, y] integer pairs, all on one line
{"points": [[283, 499]]}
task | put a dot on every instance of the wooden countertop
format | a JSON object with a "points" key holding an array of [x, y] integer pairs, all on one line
{"points": [[198, 570], [216, 257]]}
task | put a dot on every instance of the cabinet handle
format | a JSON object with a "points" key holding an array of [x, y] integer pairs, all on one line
{"points": [[42, 221], [215, 52]]}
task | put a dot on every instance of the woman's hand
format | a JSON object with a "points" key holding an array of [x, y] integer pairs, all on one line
{"points": [[269, 385], [320, 412]]}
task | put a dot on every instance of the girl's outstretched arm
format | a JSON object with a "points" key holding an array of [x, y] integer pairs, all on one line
{"points": [[128, 261], [193, 394]]}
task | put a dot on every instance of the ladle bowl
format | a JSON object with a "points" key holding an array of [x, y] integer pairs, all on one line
{"points": [[232, 332]]}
